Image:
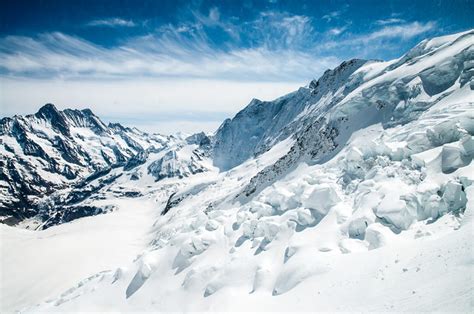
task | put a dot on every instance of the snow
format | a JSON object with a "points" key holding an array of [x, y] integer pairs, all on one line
{"points": [[39, 265], [321, 198], [433, 274], [452, 158], [378, 217], [268, 256]]}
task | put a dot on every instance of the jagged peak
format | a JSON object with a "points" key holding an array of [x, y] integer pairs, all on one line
{"points": [[342, 71], [117, 126], [85, 118], [50, 113], [49, 107], [198, 138], [254, 101], [87, 112], [83, 113]]}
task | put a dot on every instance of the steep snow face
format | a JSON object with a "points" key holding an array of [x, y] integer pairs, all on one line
{"points": [[254, 129], [354, 95], [53, 149], [361, 198], [262, 124], [390, 93]]}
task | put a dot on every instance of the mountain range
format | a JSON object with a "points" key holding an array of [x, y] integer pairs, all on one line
{"points": [[353, 192]]}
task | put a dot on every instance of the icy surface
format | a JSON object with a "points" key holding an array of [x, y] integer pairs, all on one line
{"points": [[360, 198]]}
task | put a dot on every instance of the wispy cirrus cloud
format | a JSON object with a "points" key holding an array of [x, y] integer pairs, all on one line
{"points": [[404, 31], [389, 21], [170, 55], [334, 15], [280, 30], [278, 46], [384, 38], [276, 50], [331, 16], [213, 20], [111, 22], [336, 30], [177, 65]]}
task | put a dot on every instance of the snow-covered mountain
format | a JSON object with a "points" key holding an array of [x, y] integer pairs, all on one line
{"points": [[352, 193], [50, 158], [53, 150]]}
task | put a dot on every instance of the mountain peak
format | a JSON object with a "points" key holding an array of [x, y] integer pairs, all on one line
{"points": [[50, 113], [337, 76], [339, 73], [87, 112], [117, 126], [48, 109]]}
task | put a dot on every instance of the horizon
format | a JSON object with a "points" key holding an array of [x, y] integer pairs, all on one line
{"points": [[187, 65]]}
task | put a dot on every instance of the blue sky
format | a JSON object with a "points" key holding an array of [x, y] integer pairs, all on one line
{"points": [[169, 65]]}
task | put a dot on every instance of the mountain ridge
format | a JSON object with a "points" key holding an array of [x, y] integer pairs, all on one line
{"points": [[52, 150], [303, 115], [354, 192]]}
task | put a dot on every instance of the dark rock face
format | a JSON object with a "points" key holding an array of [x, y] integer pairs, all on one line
{"points": [[68, 152], [85, 118], [200, 139], [49, 113], [316, 140], [334, 79], [136, 160], [66, 214]]}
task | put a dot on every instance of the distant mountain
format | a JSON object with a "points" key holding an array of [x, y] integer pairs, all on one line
{"points": [[53, 150]]}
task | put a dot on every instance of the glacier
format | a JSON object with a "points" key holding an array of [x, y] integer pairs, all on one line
{"points": [[353, 193]]}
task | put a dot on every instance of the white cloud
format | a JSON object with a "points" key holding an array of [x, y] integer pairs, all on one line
{"points": [[287, 47], [370, 42], [212, 19], [389, 21], [337, 30], [331, 16], [112, 22], [277, 30], [335, 14], [404, 31], [172, 55], [214, 14]]}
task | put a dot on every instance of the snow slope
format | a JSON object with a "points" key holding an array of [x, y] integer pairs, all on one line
{"points": [[359, 198], [37, 265]]}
